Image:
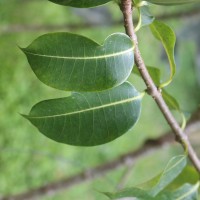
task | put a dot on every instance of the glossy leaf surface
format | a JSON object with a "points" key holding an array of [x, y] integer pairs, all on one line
{"points": [[75, 63], [165, 34], [173, 169], [172, 2], [80, 3], [88, 119]]}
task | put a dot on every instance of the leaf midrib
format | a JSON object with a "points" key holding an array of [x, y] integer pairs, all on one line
{"points": [[82, 58], [91, 109]]}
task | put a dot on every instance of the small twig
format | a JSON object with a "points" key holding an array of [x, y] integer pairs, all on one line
{"points": [[126, 8]]}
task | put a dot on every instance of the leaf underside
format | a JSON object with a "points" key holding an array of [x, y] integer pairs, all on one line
{"points": [[154, 73], [185, 192], [165, 34], [174, 167], [80, 3], [130, 192], [72, 62], [170, 101], [88, 119], [145, 17]]}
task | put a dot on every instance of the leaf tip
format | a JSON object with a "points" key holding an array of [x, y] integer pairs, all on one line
{"points": [[21, 48], [24, 116]]}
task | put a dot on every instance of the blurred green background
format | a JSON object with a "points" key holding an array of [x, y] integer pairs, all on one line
{"points": [[27, 158]]}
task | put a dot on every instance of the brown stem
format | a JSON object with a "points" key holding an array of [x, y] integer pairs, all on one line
{"points": [[127, 9]]}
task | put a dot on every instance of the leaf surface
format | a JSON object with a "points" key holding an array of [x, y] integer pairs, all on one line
{"points": [[172, 2], [80, 3], [170, 101], [172, 170], [154, 73], [188, 175], [130, 192], [174, 105], [88, 119], [75, 63], [165, 34], [145, 17], [185, 192]]}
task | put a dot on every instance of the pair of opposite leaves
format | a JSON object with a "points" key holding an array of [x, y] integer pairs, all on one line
{"points": [[93, 3], [105, 107]]}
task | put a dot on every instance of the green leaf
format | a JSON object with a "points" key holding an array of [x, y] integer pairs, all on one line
{"points": [[172, 2], [166, 35], [155, 74], [130, 192], [136, 2], [80, 3], [75, 63], [185, 192], [88, 119], [153, 71], [188, 175], [173, 169], [145, 17], [173, 105], [170, 101]]}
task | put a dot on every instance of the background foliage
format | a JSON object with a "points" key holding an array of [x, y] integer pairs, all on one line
{"points": [[28, 159]]}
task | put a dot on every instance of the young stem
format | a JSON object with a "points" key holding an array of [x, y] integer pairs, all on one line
{"points": [[126, 7]]}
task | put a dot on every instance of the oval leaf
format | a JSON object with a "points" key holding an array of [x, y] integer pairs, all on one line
{"points": [[166, 35], [172, 2], [75, 63], [173, 169], [88, 119], [80, 3]]}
